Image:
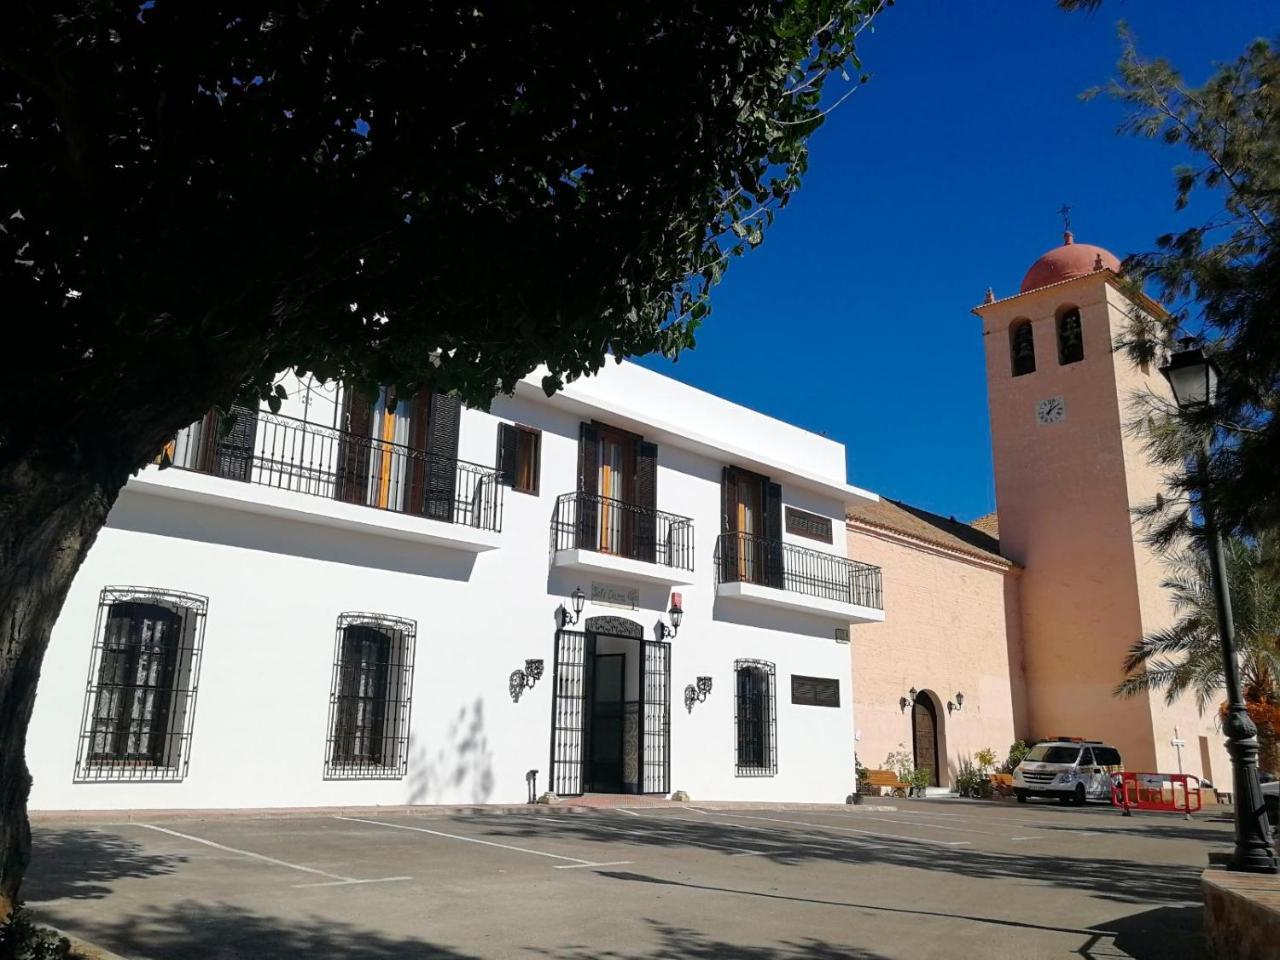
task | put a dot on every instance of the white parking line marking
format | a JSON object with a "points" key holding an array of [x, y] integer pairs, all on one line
{"points": [[343, 883], [334, 877], [629, 813], [579, 866], [458, 836], [870, 833]]}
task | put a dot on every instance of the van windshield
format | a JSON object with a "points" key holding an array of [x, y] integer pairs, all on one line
{"points": [[1045, 753]]}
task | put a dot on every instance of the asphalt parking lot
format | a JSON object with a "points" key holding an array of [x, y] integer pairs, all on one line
{"points": [[933, 878]]}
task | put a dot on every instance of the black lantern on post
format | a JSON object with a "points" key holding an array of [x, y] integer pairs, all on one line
{"points": [[1193, 377]]}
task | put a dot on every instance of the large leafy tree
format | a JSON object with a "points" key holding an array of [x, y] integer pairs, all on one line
{"points": [[1186, 657], [1221, 281], [195, 196]]}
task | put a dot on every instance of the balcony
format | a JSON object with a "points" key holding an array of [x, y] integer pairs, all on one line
{"points": [[283, 466], [598, 534], [778, 574]]}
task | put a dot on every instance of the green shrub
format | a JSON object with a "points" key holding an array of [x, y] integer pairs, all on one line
{"points": [[1017, 750], [22, 939]]}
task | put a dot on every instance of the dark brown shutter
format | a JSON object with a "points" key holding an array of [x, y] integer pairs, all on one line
{"points": [[646, 519], [774, 572], [588, 486], [353, 446], [234, 448], [815, 691], [208, 442], [728, 523], [442, 464], [508, 453], [419, 427]]}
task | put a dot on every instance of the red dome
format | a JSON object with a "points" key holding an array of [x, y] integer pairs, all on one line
{"points": [[1069, 260]]}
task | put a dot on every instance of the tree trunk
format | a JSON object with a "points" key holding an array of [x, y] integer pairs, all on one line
{"points": [[52, 506]]}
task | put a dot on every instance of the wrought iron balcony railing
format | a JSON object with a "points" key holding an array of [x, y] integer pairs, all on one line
{"points": [[273, 450], [746, 558], [588, 521]]}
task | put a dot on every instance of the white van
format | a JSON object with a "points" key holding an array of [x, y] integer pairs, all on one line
{"points": [[1071, 769]]}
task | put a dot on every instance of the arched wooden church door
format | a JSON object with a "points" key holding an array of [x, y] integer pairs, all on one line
{"points": [[924, 731]]}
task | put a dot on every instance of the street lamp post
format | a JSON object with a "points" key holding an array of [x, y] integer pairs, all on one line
{"points": [[1194, 380]]}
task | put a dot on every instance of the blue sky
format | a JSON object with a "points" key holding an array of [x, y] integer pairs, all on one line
{"points": [[937, 179]]}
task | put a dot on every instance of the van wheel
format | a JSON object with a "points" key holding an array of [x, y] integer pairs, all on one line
{"points": [[1021, 795], [1078, 798]]}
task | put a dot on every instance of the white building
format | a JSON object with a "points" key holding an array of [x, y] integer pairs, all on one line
{"points": [[339, 605]]}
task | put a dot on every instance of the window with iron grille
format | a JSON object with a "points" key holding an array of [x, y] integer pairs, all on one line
{"points": [[815, 691], [755, 718], [140, 697], [369, 698]]}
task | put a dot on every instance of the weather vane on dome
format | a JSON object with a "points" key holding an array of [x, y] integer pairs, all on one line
{"points": [[1065, 212]]}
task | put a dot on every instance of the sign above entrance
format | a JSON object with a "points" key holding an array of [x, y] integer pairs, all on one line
{"points": [[609, 595]]}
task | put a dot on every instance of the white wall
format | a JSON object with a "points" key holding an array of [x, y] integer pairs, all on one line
{"points": [[276, 586]]}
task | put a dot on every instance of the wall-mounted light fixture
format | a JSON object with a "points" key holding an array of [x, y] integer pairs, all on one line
{"points": [[577, 599], [522, 680], [903, 703], [676, 613], [696, 694], [959, 700]]}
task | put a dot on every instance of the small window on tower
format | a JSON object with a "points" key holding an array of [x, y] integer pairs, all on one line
{"points": [[1022, 347], [1070, 337]]}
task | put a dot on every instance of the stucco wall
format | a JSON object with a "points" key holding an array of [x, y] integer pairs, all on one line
{"points": [[277, 583], [946, 630]]}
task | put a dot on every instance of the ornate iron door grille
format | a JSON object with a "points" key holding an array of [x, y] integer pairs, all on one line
{"points": [[755, 718], [568, 713], [655, 717]]}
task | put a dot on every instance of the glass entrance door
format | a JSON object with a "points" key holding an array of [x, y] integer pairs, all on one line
{"points": [[607, 703]]}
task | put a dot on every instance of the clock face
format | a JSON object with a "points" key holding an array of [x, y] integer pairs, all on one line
{"points": [[1051, 410]]}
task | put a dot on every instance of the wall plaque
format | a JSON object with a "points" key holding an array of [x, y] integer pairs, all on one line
{"points": [[805, 524], [606, 594]]}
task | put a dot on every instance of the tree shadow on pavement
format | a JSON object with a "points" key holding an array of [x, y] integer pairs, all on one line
{"points": [[81, 864], [691, 945], [211, 931], [1165, 933], [1122, 881]]}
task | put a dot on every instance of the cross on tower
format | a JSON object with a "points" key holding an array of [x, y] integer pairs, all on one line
{"points": [[1065, 212]]}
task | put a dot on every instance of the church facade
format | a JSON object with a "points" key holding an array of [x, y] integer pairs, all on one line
{"points": [[1017, 625]]}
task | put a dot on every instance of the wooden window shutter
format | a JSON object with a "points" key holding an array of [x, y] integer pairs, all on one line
{"points": [[588, 486], [353, 446], [728, 522], [508, 453], [646, 525], [774, 572], [419, 430], [442, 464], [234, 447]]}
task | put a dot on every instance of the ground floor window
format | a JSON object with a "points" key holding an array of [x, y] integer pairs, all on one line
{"points": [[815, 691], [755, 718], [370, 696], [140, 698]]}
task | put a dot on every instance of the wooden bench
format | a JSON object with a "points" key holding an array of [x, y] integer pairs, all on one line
{"points": [[1002, 783], [887, 778]]}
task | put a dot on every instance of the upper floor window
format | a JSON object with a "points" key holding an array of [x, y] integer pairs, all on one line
{"points": [[1022, 347], [1070, 336], [815, 691], [755, 718], [370, 696], [519, 456], [140, 701]]}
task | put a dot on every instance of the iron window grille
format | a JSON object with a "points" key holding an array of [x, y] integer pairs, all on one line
{"points": [[815, 691], [140, 697], [370, 698], [747, 558], [755, 718]]}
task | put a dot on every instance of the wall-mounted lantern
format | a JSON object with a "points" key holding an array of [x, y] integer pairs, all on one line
{"points": [[522, 680], [903, 703], [577, 599], [696, 694], [956, 704], [676, 613]]}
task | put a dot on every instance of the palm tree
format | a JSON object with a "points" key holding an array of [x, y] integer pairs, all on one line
{"points": [[1187, 656]]}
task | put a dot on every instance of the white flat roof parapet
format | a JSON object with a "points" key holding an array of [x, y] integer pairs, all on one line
{"points": [[218, 491], [608, 564], [668, 411], [790, 600]]}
